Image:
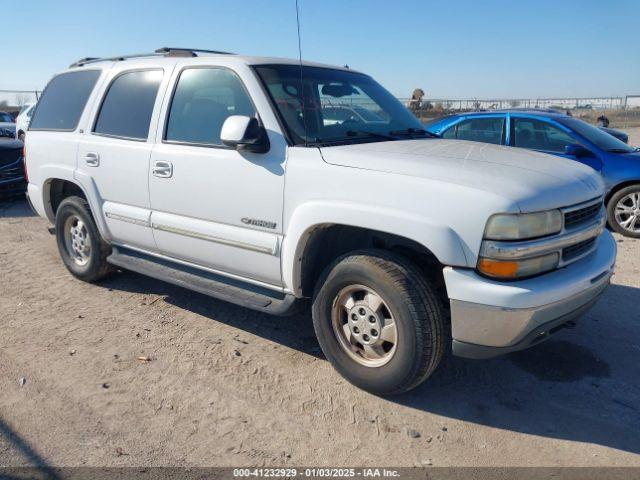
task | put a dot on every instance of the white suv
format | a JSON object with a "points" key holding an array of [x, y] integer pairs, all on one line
{"points": [[219, 173], [23, 119]]}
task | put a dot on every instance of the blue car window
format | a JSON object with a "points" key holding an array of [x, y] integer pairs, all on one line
{"points": [[485, 130], [449, 132], [539, 135]]}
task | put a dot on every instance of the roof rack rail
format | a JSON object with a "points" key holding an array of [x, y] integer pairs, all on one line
{"points": [[187, 52], [164, 51]]}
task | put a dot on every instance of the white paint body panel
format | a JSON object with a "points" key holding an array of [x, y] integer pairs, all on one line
{"points": [[213, 188], [438, 193]]}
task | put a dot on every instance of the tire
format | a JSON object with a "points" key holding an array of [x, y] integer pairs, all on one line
{"points": [[75, 226], [408, 302], [628, 199], [21, 137]]}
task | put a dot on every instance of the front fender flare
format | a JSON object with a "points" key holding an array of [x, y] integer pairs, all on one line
{"points": [[441, 240]]}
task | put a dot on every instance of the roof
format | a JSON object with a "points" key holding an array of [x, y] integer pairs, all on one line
{"points": [[167, 54], [532, 111]]}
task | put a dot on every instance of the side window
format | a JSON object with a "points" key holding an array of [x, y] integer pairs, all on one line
{"points": [[204, 98], [485, 130], [539, 135], [63, 101], [128, 104], [449, 132]]}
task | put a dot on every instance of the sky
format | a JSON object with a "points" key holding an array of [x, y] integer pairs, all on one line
{"points": [[451, 49]]}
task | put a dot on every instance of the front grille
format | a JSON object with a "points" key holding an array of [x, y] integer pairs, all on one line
{"points": [[575, 218], [12, 171], [580, 248], [9, 156], [11, 174]]}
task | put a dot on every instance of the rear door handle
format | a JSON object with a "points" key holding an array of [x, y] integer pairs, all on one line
{"points": [[92, 159], [162, 169]]}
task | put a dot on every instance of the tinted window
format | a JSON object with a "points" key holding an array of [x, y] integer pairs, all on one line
{"points": [[5, 117], [301, 105], [203, 100], [63, 101], [602, 139], [449, 132], [539, 135], [127, 107], [486, 130]]}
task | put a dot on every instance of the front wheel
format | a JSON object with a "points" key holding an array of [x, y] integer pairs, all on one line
{"points": [[378, 321], [623, 211]]}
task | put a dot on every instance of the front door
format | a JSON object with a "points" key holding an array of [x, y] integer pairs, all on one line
{"points": [[212, 205], [536, 134]]}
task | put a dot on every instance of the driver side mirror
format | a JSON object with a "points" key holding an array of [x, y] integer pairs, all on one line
{"points": [[577, 151], [244, 133]]}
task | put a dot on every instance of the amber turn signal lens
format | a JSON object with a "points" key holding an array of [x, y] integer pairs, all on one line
{"points": [[510, 269], [498, 268]]}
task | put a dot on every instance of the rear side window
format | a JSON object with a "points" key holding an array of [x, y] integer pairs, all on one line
{"points": [[486, 130], [63, 101], [128, 104]]}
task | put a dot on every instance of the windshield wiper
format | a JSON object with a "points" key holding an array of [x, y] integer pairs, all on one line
{"points": [[414, 131], [355, 133]]}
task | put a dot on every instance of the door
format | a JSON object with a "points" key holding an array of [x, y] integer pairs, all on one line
{"points": [[484, 128], [546, 137], [212, 205], [115, 155]]}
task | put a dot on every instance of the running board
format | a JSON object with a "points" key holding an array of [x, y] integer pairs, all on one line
{"points": [[207, 283]]}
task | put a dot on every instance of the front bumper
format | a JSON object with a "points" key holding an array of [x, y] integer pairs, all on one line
{"points": [[489, 317]]}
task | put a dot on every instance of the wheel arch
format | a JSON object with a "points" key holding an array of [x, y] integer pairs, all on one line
{"points": [[619, 186], [312, 243], [58, 186]]}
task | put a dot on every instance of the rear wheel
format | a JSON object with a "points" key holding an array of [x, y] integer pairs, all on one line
{"points": [[81, 247], [378, 322], [623, 211]]}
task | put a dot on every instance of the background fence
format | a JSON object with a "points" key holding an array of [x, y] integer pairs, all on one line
{"points": [[622, 111], [13, 100]]}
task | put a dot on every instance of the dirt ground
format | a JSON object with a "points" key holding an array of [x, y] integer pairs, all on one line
{"points": [[230, 387]]}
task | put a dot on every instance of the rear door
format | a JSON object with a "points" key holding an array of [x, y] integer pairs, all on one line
{"points": [[547, 137], [114, 153]]}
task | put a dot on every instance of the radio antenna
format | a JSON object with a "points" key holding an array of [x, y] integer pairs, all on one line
{"points": [[302, 105]]}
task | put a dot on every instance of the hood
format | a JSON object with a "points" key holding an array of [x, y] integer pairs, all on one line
{"points": [[532, 180]]}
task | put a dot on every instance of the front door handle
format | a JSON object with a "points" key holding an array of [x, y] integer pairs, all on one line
{"points": [[162, 169], [92, 159]]}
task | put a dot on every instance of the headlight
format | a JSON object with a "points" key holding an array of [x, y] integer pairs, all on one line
{"points": [[523, 226], [514, 269]]}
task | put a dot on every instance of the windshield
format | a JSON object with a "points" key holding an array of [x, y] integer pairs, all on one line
{"points": [[339, 106], [600, 138], [5, 117]]}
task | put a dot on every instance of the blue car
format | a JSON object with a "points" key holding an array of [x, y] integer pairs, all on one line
{"points": [[567, 137]]}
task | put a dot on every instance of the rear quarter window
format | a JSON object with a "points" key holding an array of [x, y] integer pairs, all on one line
{"points": [[128, 105], [63, 101]]}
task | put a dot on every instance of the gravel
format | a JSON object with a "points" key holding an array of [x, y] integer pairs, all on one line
{"points": [[231, 387]]}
